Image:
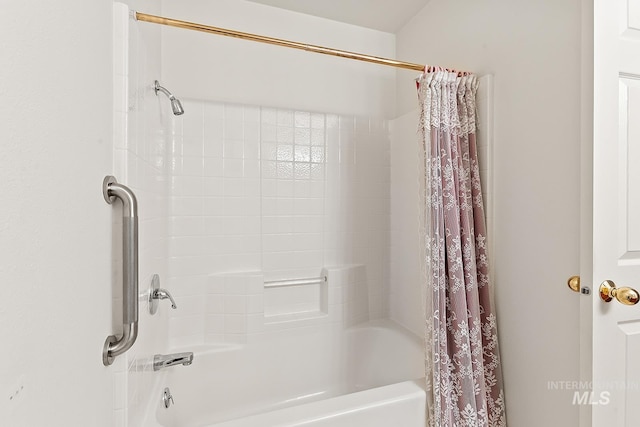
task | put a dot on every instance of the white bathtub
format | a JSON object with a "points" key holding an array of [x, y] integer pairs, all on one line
{"points": [[361, 376]]}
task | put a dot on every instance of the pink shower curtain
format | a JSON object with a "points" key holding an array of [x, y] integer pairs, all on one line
{"points": [[464, 378]]}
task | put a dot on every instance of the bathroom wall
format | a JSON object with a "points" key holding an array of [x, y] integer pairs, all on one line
{"points": [[203, 66], [258, 214], [536, 194], [272, 194], [56, 85], [55, 233]]}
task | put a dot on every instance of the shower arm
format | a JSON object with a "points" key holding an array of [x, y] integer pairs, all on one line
{"points": [[157, 88], [114, 346]]}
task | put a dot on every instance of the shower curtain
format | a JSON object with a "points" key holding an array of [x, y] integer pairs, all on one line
{"points": [[464, 379]]}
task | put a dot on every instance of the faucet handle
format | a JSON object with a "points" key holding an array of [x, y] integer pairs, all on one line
{"points": [[164, 294], [167, 398], [156, 294]]}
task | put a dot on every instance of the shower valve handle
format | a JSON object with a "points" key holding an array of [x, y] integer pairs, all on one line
{"points": [[164, 294], [156, 294]]}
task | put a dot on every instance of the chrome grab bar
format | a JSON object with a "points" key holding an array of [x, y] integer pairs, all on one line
{"points": [[114, 346], [295, 282]]}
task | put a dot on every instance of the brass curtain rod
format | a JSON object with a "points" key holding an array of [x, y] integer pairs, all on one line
{"points": [[279, 42]]}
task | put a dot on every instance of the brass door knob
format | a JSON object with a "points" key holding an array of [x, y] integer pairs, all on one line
{"points": [[626, 295]]}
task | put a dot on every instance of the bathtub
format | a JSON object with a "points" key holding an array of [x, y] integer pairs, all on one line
{"points": [[368, 375]]}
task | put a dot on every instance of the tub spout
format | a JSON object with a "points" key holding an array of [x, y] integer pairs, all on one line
{"points": [[161, 361]]}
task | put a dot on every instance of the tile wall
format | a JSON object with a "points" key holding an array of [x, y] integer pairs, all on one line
{"points": [[270, 194]]}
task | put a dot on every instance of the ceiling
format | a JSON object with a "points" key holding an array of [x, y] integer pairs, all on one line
{"points": [[383, 15]]}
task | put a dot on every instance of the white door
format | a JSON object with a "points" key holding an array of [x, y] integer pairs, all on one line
{"points": [[616, 238]]}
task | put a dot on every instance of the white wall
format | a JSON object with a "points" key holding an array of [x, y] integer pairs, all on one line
{"points": [[55, 233], [232, 76], [405, 305], [203, 66], [533, 49], [274, 192]]}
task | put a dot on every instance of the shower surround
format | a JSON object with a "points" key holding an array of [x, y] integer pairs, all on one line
{"points": [[260, 194], [235, 195]]}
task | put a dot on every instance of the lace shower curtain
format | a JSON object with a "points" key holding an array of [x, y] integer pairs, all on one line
{"points": [[464, 378]]}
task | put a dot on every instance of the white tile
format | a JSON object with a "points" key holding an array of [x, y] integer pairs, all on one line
{"points": [[185, 226], [268, 133], [317, 121], [235, 285], [213, 112], [268, 116], [213, 225], [251, 243], [251, 114], [184, 285], [215, 304], [251, 168], [213, 142], [285, 118], [302, 119], [251, 132], [190, 305], [213, 186], [302, 171], [192, 146], [213, 206], [235, 323], [213, 167], [235, 304], [284, 170], [318, 154], [233, 148], [214, 324], [284, 135], [285, 188], [186, 325], [193, 121], [188, 266], [186, 206], [302, 136], [186, 246], [233, 167], [233, 225], [255, 303], [233, 131], [252, 187], [214, 338], [269, 169], [233, 112], [185, 186], [302, 153], [216, 284], [233, 186]]}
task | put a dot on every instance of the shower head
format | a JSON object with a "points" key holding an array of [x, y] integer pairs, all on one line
{"points": [[176, 106]]}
